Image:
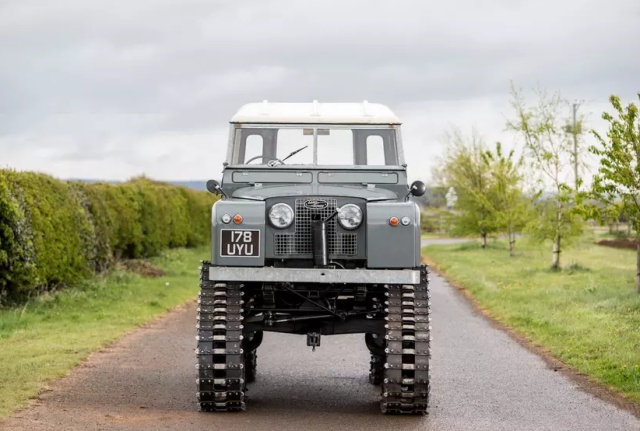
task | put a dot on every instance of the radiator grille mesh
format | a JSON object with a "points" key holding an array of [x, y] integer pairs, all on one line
{"points": [[301, 242]]}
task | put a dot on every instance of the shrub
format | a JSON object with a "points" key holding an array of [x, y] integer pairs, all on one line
{"points": [[54, 232], [17, 256], [52, 227], [98, 246]]}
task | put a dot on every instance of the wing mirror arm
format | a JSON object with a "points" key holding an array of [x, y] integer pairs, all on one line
{"points": [[214, 187], [417, 189]]}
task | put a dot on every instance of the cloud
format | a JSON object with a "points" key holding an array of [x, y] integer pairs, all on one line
{"points": [[111, 89]]}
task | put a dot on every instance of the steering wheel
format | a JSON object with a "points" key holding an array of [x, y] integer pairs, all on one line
{"points": [[271, 162]]}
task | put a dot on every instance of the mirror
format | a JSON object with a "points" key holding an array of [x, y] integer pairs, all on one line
{"points": [[417, 188], [214, 187]]}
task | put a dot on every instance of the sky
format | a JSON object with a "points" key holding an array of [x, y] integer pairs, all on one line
{"points": [[114, 89]]}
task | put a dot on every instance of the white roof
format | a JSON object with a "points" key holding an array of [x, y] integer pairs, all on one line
{"points": [[314, 113]]}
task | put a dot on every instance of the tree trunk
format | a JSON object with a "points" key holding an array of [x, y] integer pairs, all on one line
{"points": [[638, 265], [484, 240], [512, 242], [555, 264]]}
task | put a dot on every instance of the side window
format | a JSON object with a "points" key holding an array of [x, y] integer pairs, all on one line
{"points": [[375, 150], [253, 147]]}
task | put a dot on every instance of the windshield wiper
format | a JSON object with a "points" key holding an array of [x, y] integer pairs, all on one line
{"points": [[294, 153]]}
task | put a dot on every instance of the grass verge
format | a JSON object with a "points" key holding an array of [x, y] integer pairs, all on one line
{"points": [[45, 338], [440, 235], [587, 315], [432, 235]]}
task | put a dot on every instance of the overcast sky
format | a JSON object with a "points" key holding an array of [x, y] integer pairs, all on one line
{"points": [[113, 89]]}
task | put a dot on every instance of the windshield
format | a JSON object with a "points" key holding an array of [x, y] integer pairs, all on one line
{"points": [[315, 145]]}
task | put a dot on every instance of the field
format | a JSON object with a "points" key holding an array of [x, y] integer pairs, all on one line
{"points": [[49, 335], [587, 315]]}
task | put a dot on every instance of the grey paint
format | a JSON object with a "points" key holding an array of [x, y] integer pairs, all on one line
{"points": [[271, 177], [373, 191], [358, 177], [311, 275], [253, 219], [266, 191], [375, 236], [389, 246]]}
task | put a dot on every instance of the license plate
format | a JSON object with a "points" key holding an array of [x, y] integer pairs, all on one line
{"points": [[240, 243]]}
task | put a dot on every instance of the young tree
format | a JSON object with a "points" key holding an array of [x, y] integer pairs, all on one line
{"points": [[464, 169], [574, 128], [618, 177], [505, 196], [549, 153]]}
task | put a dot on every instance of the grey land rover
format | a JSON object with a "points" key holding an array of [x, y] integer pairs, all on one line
{"points": [[314, 234]]}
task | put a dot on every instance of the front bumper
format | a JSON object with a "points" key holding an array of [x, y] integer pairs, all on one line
{"points": [[315, 275]]}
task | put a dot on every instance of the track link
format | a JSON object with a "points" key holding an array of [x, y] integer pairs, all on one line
{"points": [[221, 360], [406, 387]]}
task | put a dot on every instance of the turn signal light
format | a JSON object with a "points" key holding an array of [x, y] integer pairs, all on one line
{"points": [[237, 219], [393, 221]]}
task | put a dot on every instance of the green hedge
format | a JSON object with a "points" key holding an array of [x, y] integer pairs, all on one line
{"points": [[56, 232]]}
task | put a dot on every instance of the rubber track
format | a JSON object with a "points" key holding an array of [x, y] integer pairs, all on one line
{"points": [[406, 387], [250, 366], [376, 369], [221, 362]]}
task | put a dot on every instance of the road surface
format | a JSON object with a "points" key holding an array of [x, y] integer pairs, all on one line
{"points": [[482, 380]]}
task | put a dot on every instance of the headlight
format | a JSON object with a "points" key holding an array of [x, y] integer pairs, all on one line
{"points": [[281, 215], [350, 216]]}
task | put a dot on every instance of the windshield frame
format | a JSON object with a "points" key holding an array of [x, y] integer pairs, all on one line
{"points": [[235, 126]]}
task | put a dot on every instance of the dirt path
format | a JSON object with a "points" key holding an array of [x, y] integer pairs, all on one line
{"points": [[482, 380]]}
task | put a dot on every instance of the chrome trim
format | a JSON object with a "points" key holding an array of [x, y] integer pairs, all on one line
{"points": [[315, 275]]}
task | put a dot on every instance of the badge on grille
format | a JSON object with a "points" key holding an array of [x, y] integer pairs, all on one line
{"points": [[315, 204]]}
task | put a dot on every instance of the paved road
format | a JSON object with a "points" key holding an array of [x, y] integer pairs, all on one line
{"points": [[482, 380]]}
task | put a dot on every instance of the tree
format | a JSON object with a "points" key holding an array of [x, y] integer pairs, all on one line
{"points": [[549, 152], [618, 176], [505, 196], [574, 128], [465, 170]]}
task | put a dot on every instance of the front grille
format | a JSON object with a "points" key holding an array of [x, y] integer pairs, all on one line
{"points": [[301, 242]]}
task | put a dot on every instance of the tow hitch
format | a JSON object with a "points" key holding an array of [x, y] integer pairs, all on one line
{"points": [[313, 340]]}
